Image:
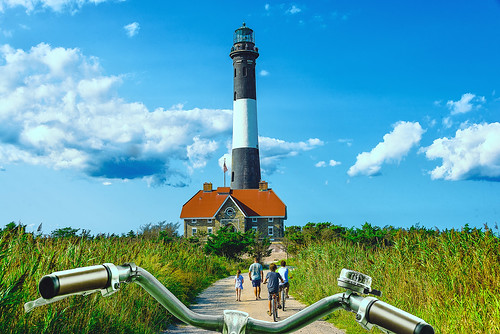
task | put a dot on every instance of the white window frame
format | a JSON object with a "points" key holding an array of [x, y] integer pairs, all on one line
{"points": [[270, 220], [210, 230], [194, 230], [255, 227], [254, 220], [193, 221], [209, 221], [270, 230]]}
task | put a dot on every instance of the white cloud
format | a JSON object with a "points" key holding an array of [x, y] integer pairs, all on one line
{"points": [[395, 146], [58, 109], [266, 6], [465, 104], [473, 154], [273, 151], [132, 29], [55, 5], [447, 122], [346, 141], [293, 10], [320, 164], [331, 163], [200, 151], [264, 73]]}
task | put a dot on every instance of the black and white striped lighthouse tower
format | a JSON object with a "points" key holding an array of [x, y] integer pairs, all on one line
{"points": [[245, 169]]}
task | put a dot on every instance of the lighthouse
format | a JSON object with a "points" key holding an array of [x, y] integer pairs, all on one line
{"points": [[249, 203], [245, 169]]}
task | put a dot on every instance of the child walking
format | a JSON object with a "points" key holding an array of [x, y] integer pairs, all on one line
{"points": [[238, 284]]}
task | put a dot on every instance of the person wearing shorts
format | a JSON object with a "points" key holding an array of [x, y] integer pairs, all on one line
{"points": [[274, 279], [255, 273]]}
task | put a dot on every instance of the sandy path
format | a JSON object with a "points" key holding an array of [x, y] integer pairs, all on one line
{"points": [[221, 296]]}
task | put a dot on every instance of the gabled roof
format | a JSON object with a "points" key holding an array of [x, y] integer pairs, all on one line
{"points": [[253, 203]]}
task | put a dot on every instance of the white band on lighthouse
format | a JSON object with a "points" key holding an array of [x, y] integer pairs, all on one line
{"points": [[245, 132]]}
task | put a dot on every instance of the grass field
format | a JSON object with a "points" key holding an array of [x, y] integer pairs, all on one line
{"points": [[451, 279], [183, 268]]}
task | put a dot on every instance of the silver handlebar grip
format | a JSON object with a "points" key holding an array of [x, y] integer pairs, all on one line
{"points": [[74, 281], [396, 320]]}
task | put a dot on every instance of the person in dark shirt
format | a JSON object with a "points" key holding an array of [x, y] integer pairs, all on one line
{"points": [[273, 287]]}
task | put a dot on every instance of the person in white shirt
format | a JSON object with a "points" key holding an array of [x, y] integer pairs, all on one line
{"points": [[283, 271]]}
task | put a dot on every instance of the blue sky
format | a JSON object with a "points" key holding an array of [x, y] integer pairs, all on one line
{"points": [[113, 113]]}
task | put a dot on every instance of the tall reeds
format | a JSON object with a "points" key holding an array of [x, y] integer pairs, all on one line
{"points": [[451, 279], [182, 268]]}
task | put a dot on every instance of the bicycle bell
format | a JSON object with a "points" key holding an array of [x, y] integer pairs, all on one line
{"points": [[357, 282]]}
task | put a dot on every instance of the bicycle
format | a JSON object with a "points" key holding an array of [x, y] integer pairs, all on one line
{"points": [[274, 305], [283, 297], [108, 279]]}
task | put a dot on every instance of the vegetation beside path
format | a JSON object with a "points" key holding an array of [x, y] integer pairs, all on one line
{"points": [[449, 278], [182, 266]]}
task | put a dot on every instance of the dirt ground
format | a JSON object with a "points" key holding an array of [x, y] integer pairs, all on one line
{"points": [[221, 296]]}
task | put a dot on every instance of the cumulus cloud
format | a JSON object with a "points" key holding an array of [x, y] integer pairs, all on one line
{"points": [[473, 154], [273, 151], [331, 163], [466, 103], [55, 5], [394, 147], [200, 150], [58, 109], [132, 29]]}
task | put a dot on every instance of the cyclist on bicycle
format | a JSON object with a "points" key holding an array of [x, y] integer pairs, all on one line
{"points": [[273, 286], [283, 271]]}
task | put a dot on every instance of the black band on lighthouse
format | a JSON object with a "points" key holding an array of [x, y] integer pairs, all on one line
{"points": [[245, 173]]}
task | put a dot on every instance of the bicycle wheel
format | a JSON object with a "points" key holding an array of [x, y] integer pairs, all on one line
{"points": [[283, 298], [274, 307]]}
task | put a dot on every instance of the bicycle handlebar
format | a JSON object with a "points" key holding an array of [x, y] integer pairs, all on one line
{"points": [[107, 277]]}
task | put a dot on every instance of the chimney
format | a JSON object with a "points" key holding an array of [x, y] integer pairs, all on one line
{"points": [[263, 186], [207, 187]]}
